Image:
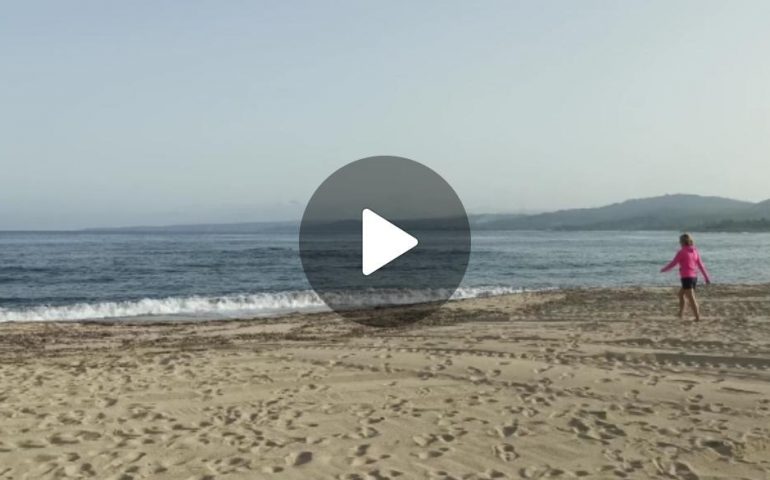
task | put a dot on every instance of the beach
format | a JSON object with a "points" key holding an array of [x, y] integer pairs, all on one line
{"points": [[577, 383]]}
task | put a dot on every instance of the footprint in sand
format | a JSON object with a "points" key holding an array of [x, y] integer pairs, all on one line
{"points": [[364, 432], [432, 453], [360, 450], [106, 402], [724, 448], [27, 444], [424, 440], [505, 452], [299, 458], [506, 430], [272, 469]]}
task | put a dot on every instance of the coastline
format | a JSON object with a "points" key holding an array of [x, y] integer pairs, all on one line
{"points": [[577, 383]]}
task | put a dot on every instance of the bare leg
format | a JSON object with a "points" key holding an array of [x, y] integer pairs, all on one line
{"points": [[681, 303], [690, 294]]}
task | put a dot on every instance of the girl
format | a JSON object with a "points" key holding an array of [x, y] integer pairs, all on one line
{"points": [[689, 263]]}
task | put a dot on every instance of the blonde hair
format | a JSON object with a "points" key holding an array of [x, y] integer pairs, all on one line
{"points": [[686, 239]]}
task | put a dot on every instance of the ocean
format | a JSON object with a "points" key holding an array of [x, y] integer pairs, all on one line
{"points": [[79, 276]]}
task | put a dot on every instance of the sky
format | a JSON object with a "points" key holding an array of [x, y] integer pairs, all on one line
{"points": [[152, 113]]}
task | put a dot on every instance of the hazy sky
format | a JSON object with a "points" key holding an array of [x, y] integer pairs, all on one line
{"points": [[124, 113]]}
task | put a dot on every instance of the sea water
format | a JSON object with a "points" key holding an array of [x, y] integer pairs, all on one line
{"points": [[79, 275]]}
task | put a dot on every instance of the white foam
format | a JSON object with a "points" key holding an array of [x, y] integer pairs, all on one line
{"points": [[229, 306]]}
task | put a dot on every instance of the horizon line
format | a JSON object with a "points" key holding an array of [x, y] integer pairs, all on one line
{"points": [[527, 212]]}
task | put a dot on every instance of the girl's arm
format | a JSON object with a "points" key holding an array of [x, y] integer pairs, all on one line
{"points": [[671, 264], [703, 270]]}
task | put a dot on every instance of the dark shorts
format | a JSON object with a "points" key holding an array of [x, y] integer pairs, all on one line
{"points": [[689, 283]]}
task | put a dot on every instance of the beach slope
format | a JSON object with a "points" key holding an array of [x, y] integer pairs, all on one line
{"points": [[572, 384]]}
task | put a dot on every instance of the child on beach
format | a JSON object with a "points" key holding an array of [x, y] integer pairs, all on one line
{"points": [[689, 262]]}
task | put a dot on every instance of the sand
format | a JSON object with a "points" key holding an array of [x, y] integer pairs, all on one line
{"points": [[575, 384]]}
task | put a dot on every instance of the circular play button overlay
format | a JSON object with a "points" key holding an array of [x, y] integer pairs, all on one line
{"points": [[384, 241]]}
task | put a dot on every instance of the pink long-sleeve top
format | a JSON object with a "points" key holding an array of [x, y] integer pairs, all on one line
{"points": [[689, 262]]}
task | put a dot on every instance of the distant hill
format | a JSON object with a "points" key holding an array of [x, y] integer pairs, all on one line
{"points": [[668, 212], [761, 209]]}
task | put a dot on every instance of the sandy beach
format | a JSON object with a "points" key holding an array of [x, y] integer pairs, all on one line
{"points": [[570, 384]]}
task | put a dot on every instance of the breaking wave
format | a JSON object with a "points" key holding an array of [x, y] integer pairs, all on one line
{"points": [[228, 306]]}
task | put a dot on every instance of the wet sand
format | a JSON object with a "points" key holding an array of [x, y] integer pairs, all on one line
{"points": [[574, 384]]}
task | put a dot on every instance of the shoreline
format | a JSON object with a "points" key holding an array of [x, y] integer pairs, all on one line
{"points": [[218, 307], [322, 310]]}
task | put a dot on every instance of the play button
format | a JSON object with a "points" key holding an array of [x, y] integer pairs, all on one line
{"points": [[381, 242], [384, 241]]}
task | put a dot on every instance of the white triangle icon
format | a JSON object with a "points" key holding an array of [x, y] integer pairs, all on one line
{"points": [[381, 242]]}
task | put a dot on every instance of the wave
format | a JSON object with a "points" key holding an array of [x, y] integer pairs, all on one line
{"points": [[228, 306]]}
